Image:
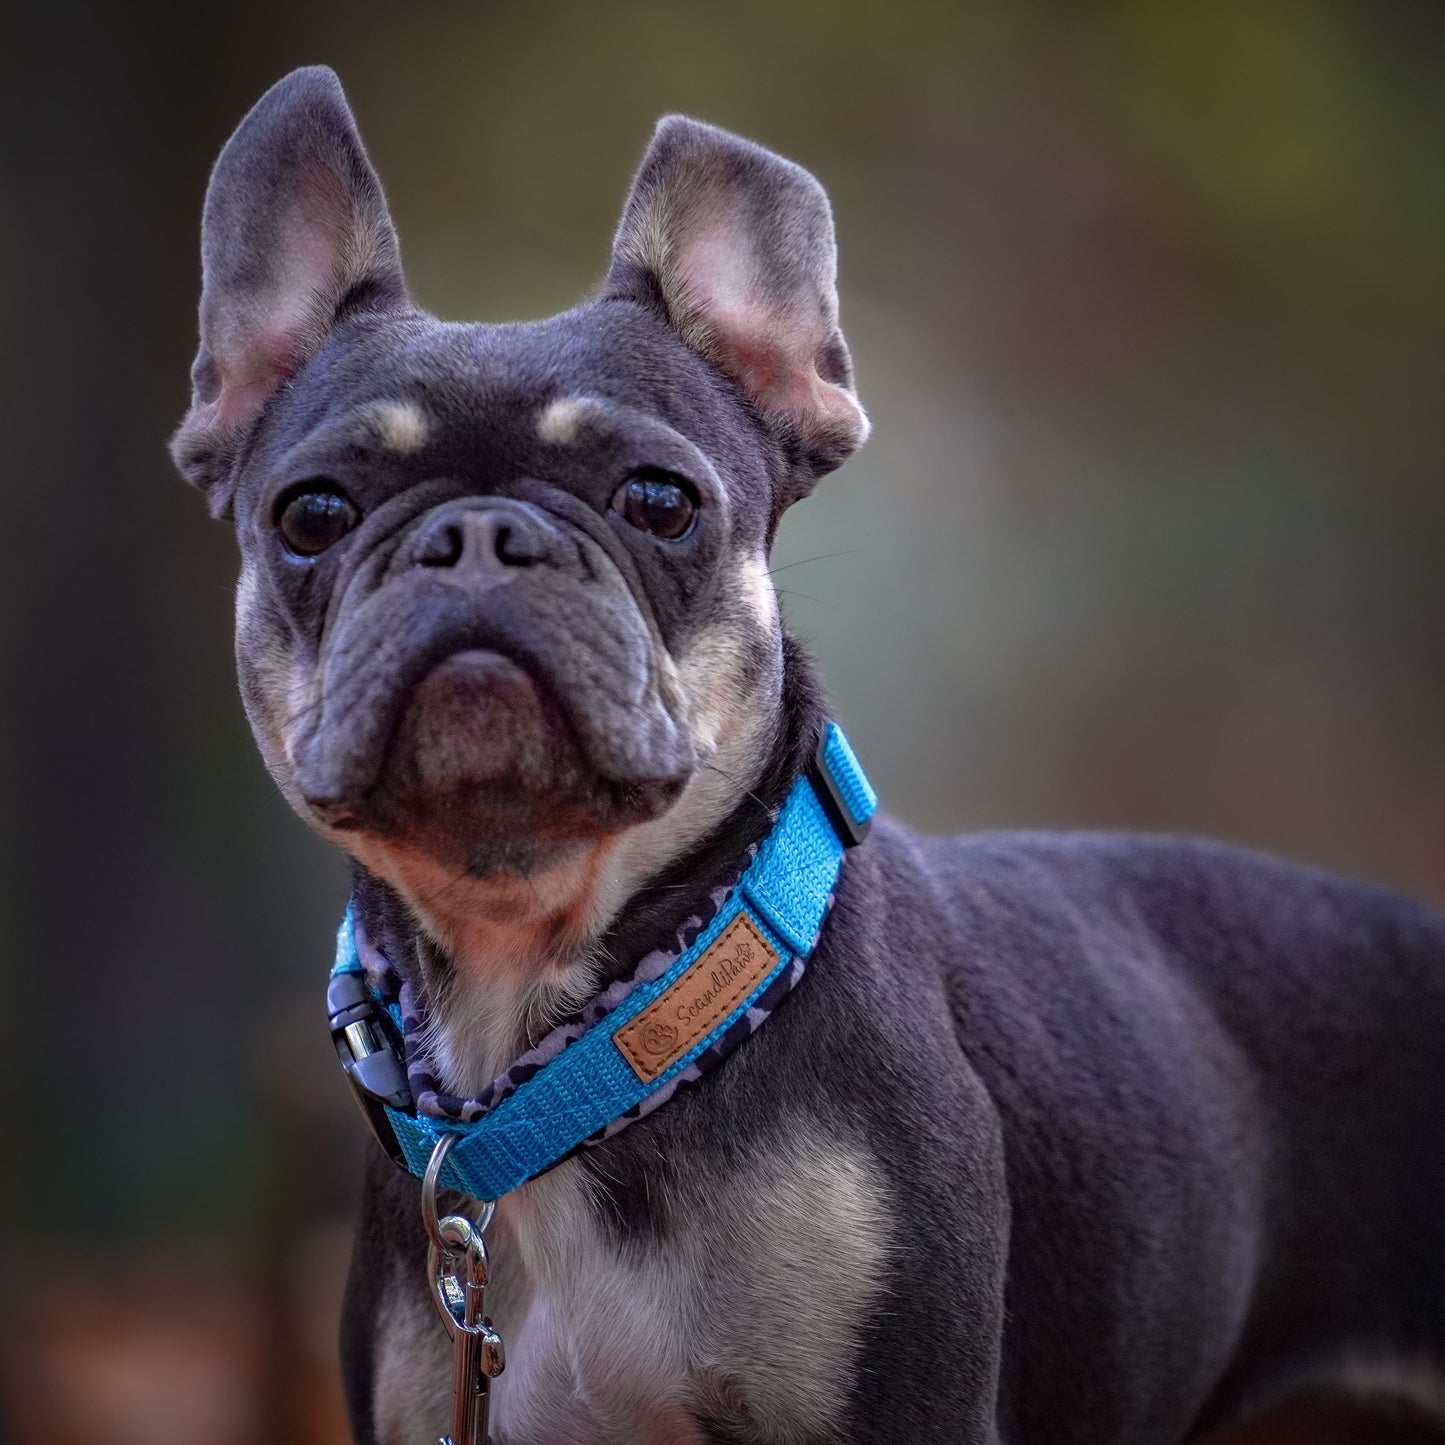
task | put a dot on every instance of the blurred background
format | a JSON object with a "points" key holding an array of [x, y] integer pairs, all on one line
{"points": [[1147, 303]]}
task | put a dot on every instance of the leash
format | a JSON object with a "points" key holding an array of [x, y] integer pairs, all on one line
{"points": [[624, 1054]]}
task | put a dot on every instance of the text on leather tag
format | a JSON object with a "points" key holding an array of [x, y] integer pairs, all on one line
{"points": [[733, 965]]}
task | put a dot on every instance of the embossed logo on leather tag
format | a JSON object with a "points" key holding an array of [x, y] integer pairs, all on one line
{"points": [[735, 963]]}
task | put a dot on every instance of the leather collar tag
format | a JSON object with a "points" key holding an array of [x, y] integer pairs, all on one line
{"points": [[733, 965]]}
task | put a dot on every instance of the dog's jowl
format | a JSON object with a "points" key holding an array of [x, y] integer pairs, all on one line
{"points": [[1021, 1138]]}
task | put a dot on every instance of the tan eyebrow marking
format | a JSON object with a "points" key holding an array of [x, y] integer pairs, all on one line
{"points": [[400, 426], [561, 420]]}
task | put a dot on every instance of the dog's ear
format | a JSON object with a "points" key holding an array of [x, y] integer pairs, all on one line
{"points": [[295, 236], [735, 244]]}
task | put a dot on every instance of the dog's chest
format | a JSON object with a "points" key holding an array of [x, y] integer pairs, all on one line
{"points": [[748, 1310]]}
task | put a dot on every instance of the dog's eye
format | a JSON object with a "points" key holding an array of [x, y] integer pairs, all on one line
{"points": [[312, 518], [658, 503]]}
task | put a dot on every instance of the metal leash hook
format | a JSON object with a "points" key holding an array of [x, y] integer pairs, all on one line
{"points": [[457, 1268]]}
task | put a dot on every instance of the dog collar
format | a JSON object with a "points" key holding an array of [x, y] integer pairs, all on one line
{"points": [[678, 1014]]}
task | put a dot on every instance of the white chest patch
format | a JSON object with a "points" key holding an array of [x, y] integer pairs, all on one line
{"points": [[750, 1310]]}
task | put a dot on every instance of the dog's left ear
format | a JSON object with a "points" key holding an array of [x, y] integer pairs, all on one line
{"points": [[735, 245]]}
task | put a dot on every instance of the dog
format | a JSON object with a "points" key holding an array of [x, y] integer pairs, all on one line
{"points": [[1062, 1138]]}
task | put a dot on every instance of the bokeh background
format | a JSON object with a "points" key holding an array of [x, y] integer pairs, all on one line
{"points": [[1147, 303]]}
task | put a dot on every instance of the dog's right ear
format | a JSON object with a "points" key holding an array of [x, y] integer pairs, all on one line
{"points": [[295, 236]]}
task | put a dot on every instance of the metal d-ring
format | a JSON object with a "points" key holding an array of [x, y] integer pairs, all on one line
{"points": [[431, 1221], [453, 1240]]}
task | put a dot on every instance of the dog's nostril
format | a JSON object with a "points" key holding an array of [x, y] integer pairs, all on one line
{"points": [[515, 547], [442, 546]]}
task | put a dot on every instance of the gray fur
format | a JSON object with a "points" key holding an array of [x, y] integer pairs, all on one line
{"points": [[1074, 1140]]}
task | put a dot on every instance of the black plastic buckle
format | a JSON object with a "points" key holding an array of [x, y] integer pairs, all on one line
{"points": [[369, 1048], [847, 827]]}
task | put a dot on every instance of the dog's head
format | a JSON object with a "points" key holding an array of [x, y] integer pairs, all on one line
{"points": [[504, 606]]}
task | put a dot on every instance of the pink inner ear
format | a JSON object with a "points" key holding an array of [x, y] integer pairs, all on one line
{"points": [[775, 368], [245, 387], [267, 341], [771, 349]]}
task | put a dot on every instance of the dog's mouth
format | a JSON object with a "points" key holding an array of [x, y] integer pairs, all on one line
{"points": [[489, 761], [474, 719]]}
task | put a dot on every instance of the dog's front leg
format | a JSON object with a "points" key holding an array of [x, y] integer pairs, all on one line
{"points": [[931, 1353]]}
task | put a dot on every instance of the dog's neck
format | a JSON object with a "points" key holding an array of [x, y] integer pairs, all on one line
{"points": [[494, 985]]}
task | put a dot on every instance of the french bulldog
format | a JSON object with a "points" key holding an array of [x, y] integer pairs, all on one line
{"points": [[1094, 1138]]}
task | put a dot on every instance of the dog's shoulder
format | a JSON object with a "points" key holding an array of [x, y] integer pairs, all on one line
{"points": [[1128, 932]]}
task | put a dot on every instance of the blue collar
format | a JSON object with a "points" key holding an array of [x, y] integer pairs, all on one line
{"points": [[629, 1050]]}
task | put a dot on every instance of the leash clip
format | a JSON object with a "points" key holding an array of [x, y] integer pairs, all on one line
{"points": [[369, 1048], [457, 1267]]}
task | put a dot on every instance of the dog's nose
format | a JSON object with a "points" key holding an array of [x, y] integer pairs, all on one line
{"points": [[481, 538]]}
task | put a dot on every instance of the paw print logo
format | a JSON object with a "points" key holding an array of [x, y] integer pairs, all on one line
{"points": [[658, 1036], [744, 952]]}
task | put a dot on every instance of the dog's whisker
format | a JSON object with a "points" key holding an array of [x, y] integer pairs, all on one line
{"points": [[806, 596], [746, 792], [305, 710], [805, 561]]}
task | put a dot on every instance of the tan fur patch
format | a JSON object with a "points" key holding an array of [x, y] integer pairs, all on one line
{"points": [[281, 690], [755, 586], [560, 422], [519, 948], [607, 1343], [729, 722], [400, 426], [494, 927]]}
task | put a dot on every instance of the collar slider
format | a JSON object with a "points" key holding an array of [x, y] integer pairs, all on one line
{"points": [[842, 787]]}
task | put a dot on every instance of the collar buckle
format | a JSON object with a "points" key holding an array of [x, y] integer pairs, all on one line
{"points": [[368, 1045]]}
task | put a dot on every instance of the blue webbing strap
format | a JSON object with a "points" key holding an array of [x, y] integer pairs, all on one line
{"points": [[785, 893]]}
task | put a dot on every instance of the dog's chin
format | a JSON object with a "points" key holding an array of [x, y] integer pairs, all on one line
{"points": [[484, 777]]}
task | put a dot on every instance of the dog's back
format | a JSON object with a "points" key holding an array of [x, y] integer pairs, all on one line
{"points": [[1220, 1079]]}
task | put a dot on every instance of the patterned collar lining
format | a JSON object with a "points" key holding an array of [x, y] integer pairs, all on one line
{"points": [[405, 1001]]}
